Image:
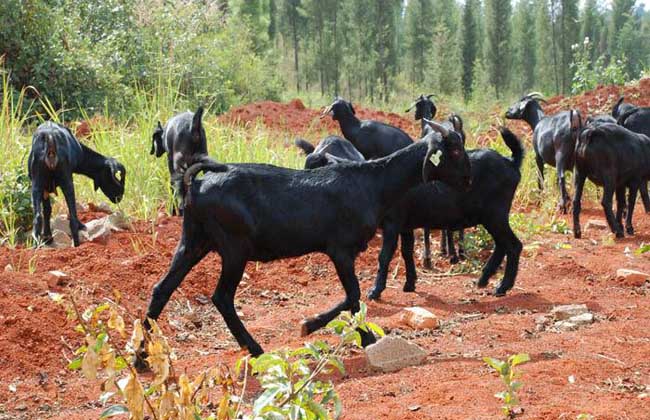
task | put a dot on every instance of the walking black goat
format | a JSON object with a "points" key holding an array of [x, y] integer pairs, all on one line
{"points": [[328, 151], [55, 155], [255, 212], [425, 110], [553, 141], [184, 141], [617, 159], [373, 139], [435, 205], [636, 119]]}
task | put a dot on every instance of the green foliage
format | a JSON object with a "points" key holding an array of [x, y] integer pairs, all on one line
{"points": [[588, 74], [15, 205], [507, 373], [498, 54]]}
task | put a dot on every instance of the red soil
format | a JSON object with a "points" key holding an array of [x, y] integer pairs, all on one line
{"points": [[610, 360]]}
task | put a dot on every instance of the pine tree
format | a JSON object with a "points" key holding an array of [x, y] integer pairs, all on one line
{"points": [[523, 38], [544, 69], [498, 54], [418, 37], [470, 43]]}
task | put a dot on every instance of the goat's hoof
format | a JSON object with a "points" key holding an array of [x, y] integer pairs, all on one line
{"points": [[304, 329], [367, 338], [454, 259], [409, 287], [629, 230], [140, 362], [374, 294], [577, 234], [255, 350], [81, 226], [501, 290], [482, 284], [443, 253], [427, 264], [620, 235], [47, 240]]}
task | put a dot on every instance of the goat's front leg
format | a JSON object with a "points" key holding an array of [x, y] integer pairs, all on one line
{"points": [[344, 262], [607, 202], [388, 246], [37, 199], [427, 249], [443, 243], [620, 204], [564, 195], [643, 190], [47, 214], [461, 245], [453, 256], [579, 184], [631, 201], [407, 242], [68, 192], [540, 171]]}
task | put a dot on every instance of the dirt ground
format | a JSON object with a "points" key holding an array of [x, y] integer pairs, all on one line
{"points": [[602, 369]]}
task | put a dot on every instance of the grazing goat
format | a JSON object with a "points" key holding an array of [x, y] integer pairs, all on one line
{"points": [[636, 119], [553, 142], [184, 141], [437, 206], [373, 139], [615, 158], [55, 155], [255, 212], [328, 151], [425, 110]]}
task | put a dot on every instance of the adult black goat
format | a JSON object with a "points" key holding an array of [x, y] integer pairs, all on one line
{"points": [[373, 139], [553, 142], [494, 181], [617, 159], [255, 212], [328, 151], [55, 155], [183, 139], [425, 110], [636, 119]]}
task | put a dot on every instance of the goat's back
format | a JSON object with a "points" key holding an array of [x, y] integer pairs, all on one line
{"points": [[376, 139]]}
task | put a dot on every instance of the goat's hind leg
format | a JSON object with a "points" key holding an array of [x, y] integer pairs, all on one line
{"points": [[453, 256], [47, 214], [344, 263], [37, 204], [407, 241], [388, 246], [620, 204], [643, 191], [427, 249], [608, 194], [631, 201], [75, 225]]}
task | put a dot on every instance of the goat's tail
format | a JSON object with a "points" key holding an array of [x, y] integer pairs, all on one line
{"points": [[304, 145], [627, 114], [51, 158], [183, 180], [514, 144]]}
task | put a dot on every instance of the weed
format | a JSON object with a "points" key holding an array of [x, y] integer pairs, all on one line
{"points": [[507, 373]]}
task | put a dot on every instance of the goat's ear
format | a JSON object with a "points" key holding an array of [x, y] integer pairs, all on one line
{"points": [[575, 120], [95, 185], [197, 129]]}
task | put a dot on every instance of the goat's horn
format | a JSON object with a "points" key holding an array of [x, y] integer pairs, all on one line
{"points": [[437, 127], [326, 111], [411, 107], [431, 95]]}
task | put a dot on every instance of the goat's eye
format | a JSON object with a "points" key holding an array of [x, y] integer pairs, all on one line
{"points": [[455, 153]]}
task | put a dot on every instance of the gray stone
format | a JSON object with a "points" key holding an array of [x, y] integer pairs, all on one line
{"points": [[563, 312], [390, 354], [632, 277], [582, 319], [595, 224], [565, 326], [57, 278], [9, 268], [97, 230], [118, 221], [61, 223], [419, 318], [61, 239]]}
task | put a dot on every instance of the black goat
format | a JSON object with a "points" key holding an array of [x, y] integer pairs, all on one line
{"points": [[596, 120], [328, 151], [437, 206], [255, 212], [55, 155], [425, 110], [373, 139], [617, 159], [553, 142], [636, 119], [184, 141]]}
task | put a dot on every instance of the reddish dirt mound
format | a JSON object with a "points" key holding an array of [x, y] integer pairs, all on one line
{"points": [[296, 118]]}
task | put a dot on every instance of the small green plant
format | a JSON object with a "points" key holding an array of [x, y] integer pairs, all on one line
{"points": [[560, 226], [290, 379], [584, 416], [507, 373], [642, 249], [15, 206]]}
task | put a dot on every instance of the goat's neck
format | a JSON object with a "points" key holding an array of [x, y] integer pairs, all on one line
{"points": [[398, 172], [350, 126], [91, 163], [534, 115], [423, 124]]}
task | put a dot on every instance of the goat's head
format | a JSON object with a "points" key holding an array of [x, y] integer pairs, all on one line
{"points": [[446, 159], [110, 179], [457, 122], [575, 123], [190, 144], [340, 108], [519, 109], [424, 107], [157, 147]]}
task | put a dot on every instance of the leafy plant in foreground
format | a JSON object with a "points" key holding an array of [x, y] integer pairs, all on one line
{"points": [[289, 378], [506, 370]]}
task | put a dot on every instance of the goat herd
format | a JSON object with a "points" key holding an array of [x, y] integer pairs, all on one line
{"points": [[376, 177]]}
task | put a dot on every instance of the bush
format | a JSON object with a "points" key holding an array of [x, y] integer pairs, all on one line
{"points": [[16, 213], [588, 75]]}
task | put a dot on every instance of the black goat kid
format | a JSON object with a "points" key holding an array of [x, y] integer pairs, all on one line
{"points": [[494, 181], [329, 151], [184, 141], [553, 141], [425, 110], [617, 159], [255, 212], [56, 154]]}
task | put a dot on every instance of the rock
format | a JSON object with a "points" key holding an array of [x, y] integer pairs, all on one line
{"points": [[102, 207], [61, 223], [582, 319], [542, 322], [57, 278], [632, 277], [563, 312], [565, 326], [9, 268], [390, 354], [419, 318], [596, 224], [118, 221], [96, 231], [61, 240]]}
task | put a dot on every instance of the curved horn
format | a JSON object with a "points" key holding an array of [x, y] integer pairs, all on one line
{"points": [[411, 107], [326, 111], [437, 127], [431, 95]]}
